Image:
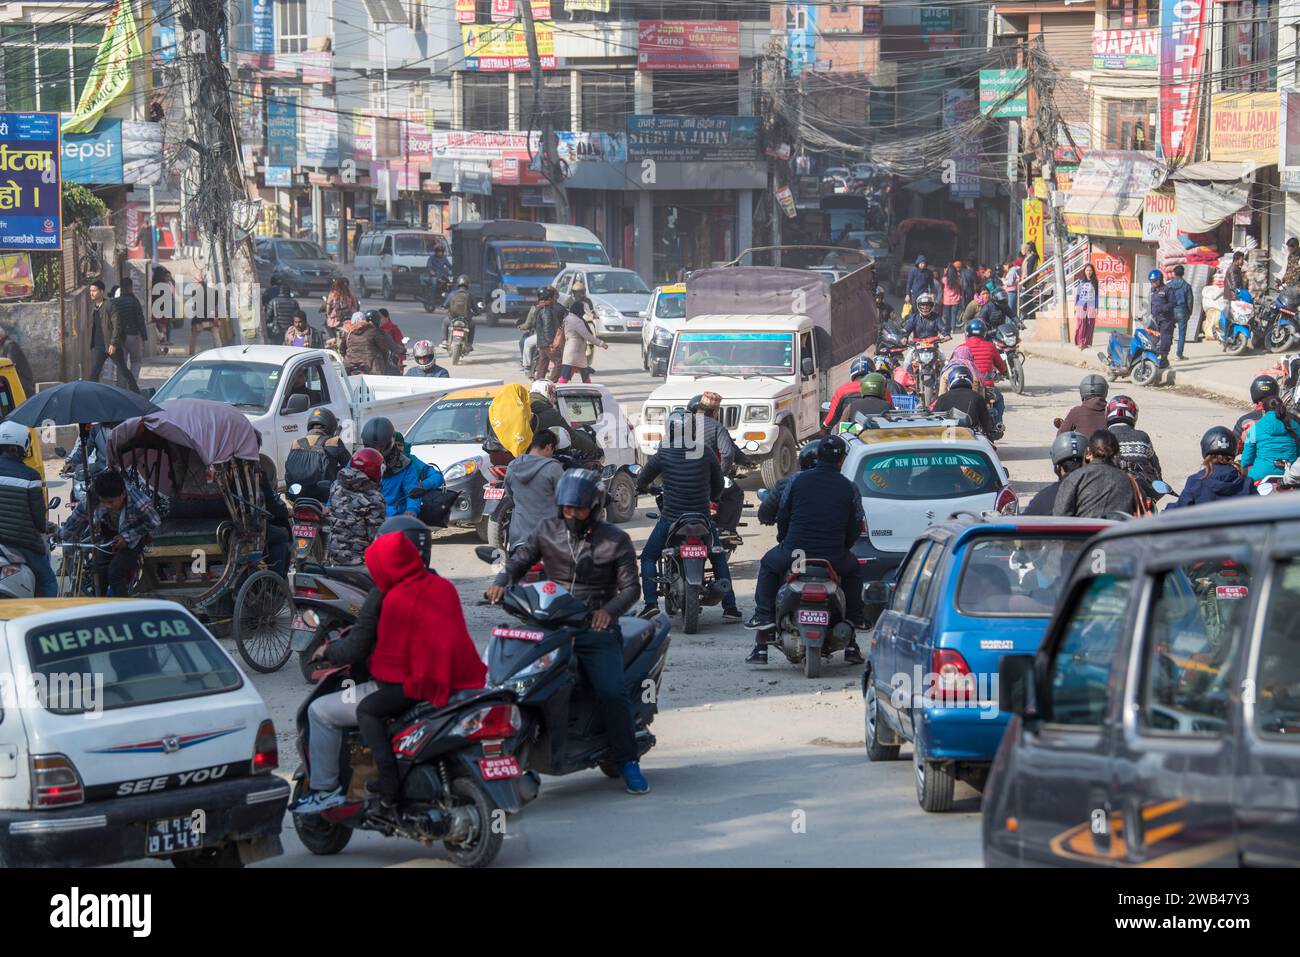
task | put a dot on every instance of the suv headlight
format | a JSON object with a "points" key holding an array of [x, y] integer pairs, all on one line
{"points": [[655, 414], [662, 337], [758, 413], [462, 469]]}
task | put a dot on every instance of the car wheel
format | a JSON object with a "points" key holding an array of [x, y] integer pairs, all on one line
{"points": [[934, 782], [362, 289], [781, 462], [875, 750], [622, 499], [386, 292]]}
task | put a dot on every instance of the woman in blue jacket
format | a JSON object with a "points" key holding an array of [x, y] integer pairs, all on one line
{"points": [[1219, 479], [1272, 438]]}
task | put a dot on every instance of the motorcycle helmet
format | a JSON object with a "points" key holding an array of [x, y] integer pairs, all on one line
{"points": [[925, 303], [323, 419], [1121, 409], [463, 282], [808, 455], [579, 488], [874, 384], [546, 389], [1218, 441], [414, 529], [861, 366], [378, 434], [1155, 275], [1263, 387], [960, 378], [976, 327], [881, 365], [1068, 445], [1093, 386], [547, 294], [374, 317], [369, 462], [578, 288], [832, 450], [15, 436], [423, 352], [880, 294], [679, 429]]}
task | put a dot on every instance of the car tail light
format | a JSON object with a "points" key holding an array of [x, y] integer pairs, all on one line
{"points": [[955, 681], [306, 515], [494, 721], [55, 782], [1007, 503], [266, 755]]}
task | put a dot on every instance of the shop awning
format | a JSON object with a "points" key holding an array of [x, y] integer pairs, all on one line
{"points": [[924, 186], [1203, 206], [1209, 172], [1107, 192]]}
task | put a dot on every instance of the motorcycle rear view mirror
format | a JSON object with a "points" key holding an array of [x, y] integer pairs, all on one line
{"points": [[1161, 487], [634, 470], [563, 439], [54, 503], [295, 489], [826, 406], [486, 554]]}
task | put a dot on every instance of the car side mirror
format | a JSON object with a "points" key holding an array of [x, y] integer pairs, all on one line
{"points": [[877, 593], [826, 406], [1016, 685], [296, 404], [807, 367]]}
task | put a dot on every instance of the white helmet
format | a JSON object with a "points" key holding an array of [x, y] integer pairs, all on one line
{"points": [[358, 316], [423, 349], [15, 436], [546, 389]]}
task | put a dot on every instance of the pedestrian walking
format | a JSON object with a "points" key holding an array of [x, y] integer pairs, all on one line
{"points": [[107, 338], [1182, 293], [134, 324], [1087, 298], [951, 283], [577, 337]]}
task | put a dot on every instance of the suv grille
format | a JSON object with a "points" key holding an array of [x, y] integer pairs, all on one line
{"points": [[731, 416]]}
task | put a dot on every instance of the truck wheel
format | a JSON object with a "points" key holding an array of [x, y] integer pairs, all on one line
{"points": [[781, 462], [622, 499]]}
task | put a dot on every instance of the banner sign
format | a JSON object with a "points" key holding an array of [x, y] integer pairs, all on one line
{"points": [[281, 132], [504, 10], [1159, 217], [591, 6], [278, 175], [1288, 146], [263, 52], [1244, 127], [1125, 49], [1114, 286], [504, 46], [31, 198], [959, 106], [16, 276], [1182, 60], [482, 144], [995, 84], [317, 66], [800, 37], [466, 11], [688, 45], [692, 138], [476, 182], [142, 153], [592, 147], [320, 137], [94, 157], [786, 199], [1035, 231], [110, 77]]}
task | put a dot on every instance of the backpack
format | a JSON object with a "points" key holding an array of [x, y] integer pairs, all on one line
{"points": [[307, 465]]}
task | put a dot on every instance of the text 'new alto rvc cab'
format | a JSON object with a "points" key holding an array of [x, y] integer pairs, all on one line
{"points": [[1159, 722]]}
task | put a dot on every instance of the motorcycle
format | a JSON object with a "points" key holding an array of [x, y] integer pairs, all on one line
{"points": [[1134, 356], [1007, 338], [680, 573], [1241, 326], [458, 338], [926, 362], [536, 663], [459, 769], [326, 600], [989, 389], [891, 342], [810, 619], [433, 292], [1281, 331], [307, 518]]}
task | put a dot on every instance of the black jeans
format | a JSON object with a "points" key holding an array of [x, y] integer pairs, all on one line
{"points": [[730, 504], [114, 573], [600, 655], [372, 714], [1165, 328], [775, 565], [99, 355], [277, 548]]}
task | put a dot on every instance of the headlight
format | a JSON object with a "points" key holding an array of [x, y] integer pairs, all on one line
{"points": [[538, 666], [399, 269], [655, 413], [460, 470], [663, 337], [758, 413], [607, 312]]}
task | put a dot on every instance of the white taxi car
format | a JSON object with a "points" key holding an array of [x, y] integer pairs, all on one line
{"points": [[127, 732]]}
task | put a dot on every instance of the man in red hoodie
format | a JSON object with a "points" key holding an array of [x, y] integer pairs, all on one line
{"points": [[423, 653]]}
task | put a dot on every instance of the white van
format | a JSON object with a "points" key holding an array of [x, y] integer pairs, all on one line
{"points": [[391, 261], [127, 732]]}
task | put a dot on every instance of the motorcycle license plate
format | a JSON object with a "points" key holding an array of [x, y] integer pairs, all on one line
{"points": [[171, 834], [812, 617], [304, 531], [497, 769], [694, 551], [494, 492], [458, 333]]}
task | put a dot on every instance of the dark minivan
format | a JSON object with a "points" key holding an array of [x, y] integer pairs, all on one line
{"points": [[1159, 722]]}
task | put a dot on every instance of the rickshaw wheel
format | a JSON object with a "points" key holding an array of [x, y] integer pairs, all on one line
{"points": [[263, 620]]}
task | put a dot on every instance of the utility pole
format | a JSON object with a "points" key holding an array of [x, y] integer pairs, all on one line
{"points": [[1047, 128], [550, 155]]}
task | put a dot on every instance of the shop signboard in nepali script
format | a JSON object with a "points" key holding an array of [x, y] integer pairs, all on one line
{"points": [[31, 201]]}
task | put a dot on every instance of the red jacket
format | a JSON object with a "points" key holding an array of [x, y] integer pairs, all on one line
{"points": [[423, 642], [985, 354], [395, 333], [847, 392]]}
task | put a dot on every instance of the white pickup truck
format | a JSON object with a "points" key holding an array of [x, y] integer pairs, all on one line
{"points": [[276, 386], [769, 374]]}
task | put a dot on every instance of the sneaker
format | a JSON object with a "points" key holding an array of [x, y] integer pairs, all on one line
{"points": [[732, 615], [853, 655], [649, 612], [756, 623], [313, 802], [634, 779], [758, 656]]}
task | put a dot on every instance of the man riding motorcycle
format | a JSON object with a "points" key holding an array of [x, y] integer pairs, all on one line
{"points": [[22, 507], [1068, 451], [963, 396], [924, 322], [1136, 453], [983, 359], [460, 305], [596, 562], [820, 516], [314, 460], [405, 477], [873, 399], [849, 391], [1090, 414], [717, 439], [426, 361], [884, 311]]}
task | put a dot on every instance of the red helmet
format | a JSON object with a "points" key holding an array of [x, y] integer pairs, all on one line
{"points": [[1121, 409], [368, 461]]}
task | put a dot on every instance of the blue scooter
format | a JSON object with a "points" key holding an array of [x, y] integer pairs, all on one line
{"points": [[1281, 331], [1133, 356], [1240, 331]]}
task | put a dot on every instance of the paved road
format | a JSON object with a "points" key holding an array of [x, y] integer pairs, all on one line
{"points": [[755, 766]]}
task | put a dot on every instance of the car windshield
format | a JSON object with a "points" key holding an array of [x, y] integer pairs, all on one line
{"points": [[579, 253], [248, 386], [613, 283], [126, 660], [670, 305], [740, 353], [452, 421], [1019, 577], [529, 259], [926, 474], [414, 244], [295, 249]]}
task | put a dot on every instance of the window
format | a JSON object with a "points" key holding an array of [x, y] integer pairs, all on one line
{"points": [[1129, 124], [1015, 577], [1277, 677], [912, 569], [1080, 670], [1249, 44], [699, 94], [796, 16], [45, 67], [925, 579], [1132, 14], [454, 421], [607, 101], [805, 347], [486, 102], [581, 409], [292, 32], [555, 102], [923, 474], [7, 403]]}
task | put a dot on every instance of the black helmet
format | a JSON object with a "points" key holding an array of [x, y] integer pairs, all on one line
{"points": [[463, 281], [808, 455], [1093, 386], [579, 488], [1069, 445], [832, 450], [1262, 387], [323, 419], [679, 428], [1219, 441], [694, 405], [374, 318], [378, 434], [414, 529]]}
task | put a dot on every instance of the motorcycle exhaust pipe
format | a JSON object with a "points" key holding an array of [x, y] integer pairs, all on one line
{"points": [[715, 593]]}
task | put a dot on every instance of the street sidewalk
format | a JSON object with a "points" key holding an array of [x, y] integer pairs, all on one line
{"points": [[1207, 370]]}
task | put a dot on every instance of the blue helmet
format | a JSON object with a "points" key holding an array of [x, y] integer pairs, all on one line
{"points": [[1155, 274], [960, 378], [976, 327], [861, 366]]}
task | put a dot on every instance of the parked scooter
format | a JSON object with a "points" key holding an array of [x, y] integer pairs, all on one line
{"points": [[680, 574], [1281, 331], [535, 661], [1240, 325], [1133, 356], [458, 767], [810, 620]]}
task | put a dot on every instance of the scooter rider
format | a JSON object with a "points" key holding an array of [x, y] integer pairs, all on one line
{"points": [[460, 305], [770, 502], [962, 396], [596, 562], [820, 516], [426, 361], [692, 478], [314, 460], [405, 477], [1090, 414], [1219, 477], [23, 517], [1101, 486], [1136, 452], [884, 311], [1068, 451], [331, 714], [706, 407]]}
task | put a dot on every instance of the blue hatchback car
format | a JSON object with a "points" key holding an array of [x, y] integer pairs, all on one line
{"points": [[970, 591]]}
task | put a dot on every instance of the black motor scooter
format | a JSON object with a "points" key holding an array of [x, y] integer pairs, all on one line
{"points": [[563, 729]]}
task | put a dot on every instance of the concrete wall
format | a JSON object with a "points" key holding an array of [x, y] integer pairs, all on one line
{"points": [[35, 326]]}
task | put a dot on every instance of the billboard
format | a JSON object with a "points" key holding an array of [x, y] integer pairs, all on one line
{"points": [[1244, 127], [1182, 60], [995, 84], [688, 45], [281, 132], [504, 47], [504, 10], [710, 139], [31, 198], [94, 157], [1125, 49]]}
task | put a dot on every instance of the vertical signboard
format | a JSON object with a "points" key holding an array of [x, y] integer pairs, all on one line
{"points": [[1288, 147], [959, 106], [1114, 286], [31, 198], [263, 51], [1034, 223], [1182, 58], [281, 131]]}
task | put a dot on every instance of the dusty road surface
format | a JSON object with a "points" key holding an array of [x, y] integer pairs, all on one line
{"points": [[755, 766]]}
